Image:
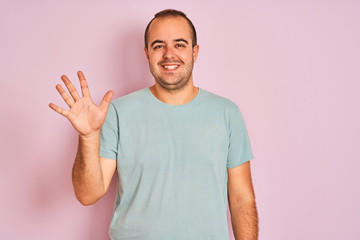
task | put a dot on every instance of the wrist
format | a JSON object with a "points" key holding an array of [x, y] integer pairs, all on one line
{"points": [[90, 136]]}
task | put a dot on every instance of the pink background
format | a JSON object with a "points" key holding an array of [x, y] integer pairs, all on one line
{"points": [[291, 66]]}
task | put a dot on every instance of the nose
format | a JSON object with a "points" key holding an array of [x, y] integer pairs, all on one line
{"points": [[169, 53]]}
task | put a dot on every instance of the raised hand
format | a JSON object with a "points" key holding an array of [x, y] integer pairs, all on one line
{"points": [[84, 115]]}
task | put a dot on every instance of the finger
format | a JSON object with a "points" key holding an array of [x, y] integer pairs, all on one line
{"points": [[83, 83], [69, 101], [70, 87], [106, 100], [59, 110]]}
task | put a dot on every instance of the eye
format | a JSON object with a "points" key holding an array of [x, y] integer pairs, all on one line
{"points": [[180, 45], [158, 47]]}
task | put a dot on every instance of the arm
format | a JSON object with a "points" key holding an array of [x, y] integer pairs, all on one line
{"points": [[91, 173], [242, 203]]}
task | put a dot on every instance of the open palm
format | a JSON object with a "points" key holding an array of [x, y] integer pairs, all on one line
{"points": [[84, 115]]}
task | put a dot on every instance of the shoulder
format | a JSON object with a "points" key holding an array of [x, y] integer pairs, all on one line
{"points": [[218, 101], [130, 100]]}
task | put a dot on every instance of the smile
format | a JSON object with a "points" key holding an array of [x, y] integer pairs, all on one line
{"points": [[170, 67]]}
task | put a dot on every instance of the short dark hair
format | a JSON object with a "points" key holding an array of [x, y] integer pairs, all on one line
{"points": [[171, 13]]}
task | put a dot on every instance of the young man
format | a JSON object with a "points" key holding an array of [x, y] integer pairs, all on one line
{"points": [[181, 153]]}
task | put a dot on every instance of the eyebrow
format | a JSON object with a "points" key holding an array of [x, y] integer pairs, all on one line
{"points": [[156, 41], [176, 40], [181, 40]]}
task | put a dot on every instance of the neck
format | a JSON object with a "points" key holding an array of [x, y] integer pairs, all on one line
{"points": [[175, 97]]}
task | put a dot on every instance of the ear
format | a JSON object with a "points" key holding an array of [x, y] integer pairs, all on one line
{"points": [[195, 52], [146, 53]]}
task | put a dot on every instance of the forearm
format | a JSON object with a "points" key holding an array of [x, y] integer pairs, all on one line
{"points": [[244, 220], [87, 175]]}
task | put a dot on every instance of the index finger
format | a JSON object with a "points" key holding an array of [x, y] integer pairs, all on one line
{"points": [[70, 87], [83, 84]]}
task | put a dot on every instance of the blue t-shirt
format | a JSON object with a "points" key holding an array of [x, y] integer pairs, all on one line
{"points": [[172, 163]]}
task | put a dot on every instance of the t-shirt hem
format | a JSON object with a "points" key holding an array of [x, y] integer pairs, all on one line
{"points": [[239, 163], [107, 155]]}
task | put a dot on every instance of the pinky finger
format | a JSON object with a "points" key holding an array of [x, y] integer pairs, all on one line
{"points": [[59, 110]]}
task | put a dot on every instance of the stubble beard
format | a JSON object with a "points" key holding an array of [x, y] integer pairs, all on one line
{"points": [[181, 81]]}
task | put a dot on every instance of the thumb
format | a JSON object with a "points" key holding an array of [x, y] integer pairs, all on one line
{"points": [[106, 100]]}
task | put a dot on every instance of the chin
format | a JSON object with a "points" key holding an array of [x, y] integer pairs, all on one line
{"points": [[172, 85]]}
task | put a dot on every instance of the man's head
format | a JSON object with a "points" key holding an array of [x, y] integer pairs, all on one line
{"points": [[171, 13], [171, 49]]}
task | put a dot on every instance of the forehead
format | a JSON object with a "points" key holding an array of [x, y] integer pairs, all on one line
{"points": [[169, 28]]}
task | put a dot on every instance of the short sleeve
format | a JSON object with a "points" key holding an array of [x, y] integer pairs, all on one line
{"points": [[239, 150], [109, 136]]}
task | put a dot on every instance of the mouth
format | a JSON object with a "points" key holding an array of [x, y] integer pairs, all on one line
{"points": [[170, 67]]}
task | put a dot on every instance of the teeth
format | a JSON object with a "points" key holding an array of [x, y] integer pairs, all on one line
{"points": [[171, 67]]}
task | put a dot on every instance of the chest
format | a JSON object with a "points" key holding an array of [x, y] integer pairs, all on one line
{"points": [[175, 140]]}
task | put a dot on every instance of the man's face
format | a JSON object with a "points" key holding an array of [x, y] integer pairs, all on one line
{"points": [[170, 53]]}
